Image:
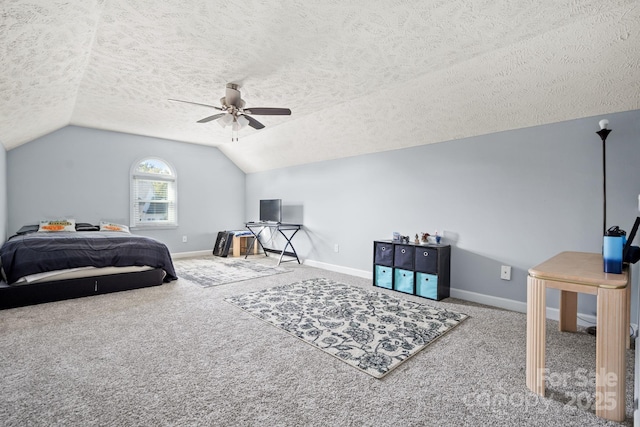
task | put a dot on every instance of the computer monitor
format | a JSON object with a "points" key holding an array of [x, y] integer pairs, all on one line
{"points": [[271, 210]]}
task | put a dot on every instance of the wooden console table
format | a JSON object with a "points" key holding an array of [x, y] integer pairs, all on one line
{"points": [[573, 272]]}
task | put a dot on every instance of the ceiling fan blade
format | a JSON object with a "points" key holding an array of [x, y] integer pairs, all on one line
{"points": [[197, 103], [214, 117], [253, 122], [268, 111]]}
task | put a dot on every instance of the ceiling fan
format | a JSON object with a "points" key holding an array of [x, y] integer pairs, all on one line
{"points": [[234, 113]]}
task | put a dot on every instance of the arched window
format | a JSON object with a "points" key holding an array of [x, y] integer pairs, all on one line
{"points": [[153, 194]]}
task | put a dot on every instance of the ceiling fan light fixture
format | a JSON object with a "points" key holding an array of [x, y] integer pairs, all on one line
{"points": [[225, 120], [242, 122]]}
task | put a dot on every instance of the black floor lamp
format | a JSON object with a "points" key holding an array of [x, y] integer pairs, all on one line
{"points": [[603, 132]]}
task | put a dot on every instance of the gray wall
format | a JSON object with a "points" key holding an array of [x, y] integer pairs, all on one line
{"points": [[84, 174], [3, 194], [514, 198]]}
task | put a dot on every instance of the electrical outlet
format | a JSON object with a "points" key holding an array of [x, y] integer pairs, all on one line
{"points": [[505, 272], [184, 239], [336, 248]]}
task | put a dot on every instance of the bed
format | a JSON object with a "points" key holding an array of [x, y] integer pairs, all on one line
{"points": [[84, 260]]}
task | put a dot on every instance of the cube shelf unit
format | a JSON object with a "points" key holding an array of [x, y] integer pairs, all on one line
{"points": [[421, 270]]}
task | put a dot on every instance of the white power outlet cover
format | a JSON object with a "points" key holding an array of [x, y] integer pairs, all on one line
{"points": [[505, 272]]}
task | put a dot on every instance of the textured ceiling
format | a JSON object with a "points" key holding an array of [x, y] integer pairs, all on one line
{"points": [[360, 76]]}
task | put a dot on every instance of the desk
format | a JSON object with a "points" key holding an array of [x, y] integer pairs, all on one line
{"points": [[286, 230], [573, 272]]}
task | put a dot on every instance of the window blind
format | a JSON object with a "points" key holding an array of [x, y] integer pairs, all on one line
{"points": [[153, 199]]}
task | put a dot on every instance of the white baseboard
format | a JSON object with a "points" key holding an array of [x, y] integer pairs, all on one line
{"points": [[513, 305], [178, 255], [339, 269], [507, 304]]}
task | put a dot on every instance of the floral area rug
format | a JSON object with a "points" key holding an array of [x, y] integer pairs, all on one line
{"points": [[372, 331], [213, 271]]}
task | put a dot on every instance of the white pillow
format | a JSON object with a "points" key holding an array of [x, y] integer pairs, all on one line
{"points": [[57, 225], [109, 226]]}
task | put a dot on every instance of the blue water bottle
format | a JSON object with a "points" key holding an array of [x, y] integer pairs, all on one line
{"points": [[612, 249]]}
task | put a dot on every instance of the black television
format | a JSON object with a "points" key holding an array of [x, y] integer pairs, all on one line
{"points": [[271, 210]]}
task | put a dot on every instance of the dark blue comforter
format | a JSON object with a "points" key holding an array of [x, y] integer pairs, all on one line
{"points": [[39, 252]]}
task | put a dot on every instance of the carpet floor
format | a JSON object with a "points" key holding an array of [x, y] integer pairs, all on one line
{"points": [[178, 354]]}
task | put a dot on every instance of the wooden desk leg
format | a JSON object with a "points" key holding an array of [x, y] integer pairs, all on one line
{"points": [[568, 311], [610, 353], [536, 335]]}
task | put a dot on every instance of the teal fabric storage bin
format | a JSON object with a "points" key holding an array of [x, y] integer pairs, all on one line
{"points": [[383, 276], [403, 280], [427, 285]]}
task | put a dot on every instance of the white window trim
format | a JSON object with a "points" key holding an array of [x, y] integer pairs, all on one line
{"points": [[133, 174]]}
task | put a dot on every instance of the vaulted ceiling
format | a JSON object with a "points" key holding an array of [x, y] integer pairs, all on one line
{"points": [[360, 76]]}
